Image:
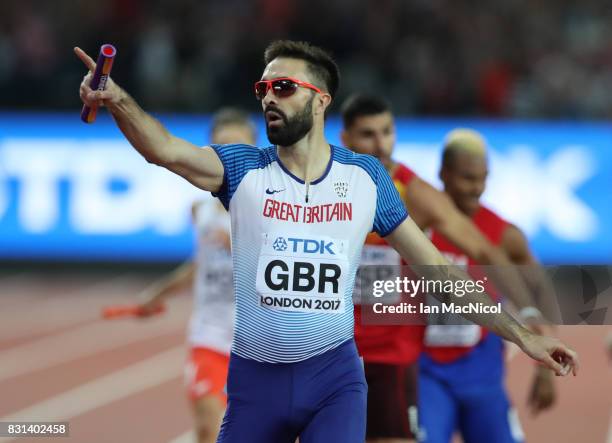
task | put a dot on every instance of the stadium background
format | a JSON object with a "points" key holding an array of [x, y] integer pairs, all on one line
{"points": [[85, 222]]}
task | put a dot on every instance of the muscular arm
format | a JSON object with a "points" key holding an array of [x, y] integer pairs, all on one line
{"points": [[149, 137], [200, 166], [431, 208], [415, 247]]}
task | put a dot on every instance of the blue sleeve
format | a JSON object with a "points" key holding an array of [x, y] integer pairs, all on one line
{"points": [[390, 209], [237, 161]]}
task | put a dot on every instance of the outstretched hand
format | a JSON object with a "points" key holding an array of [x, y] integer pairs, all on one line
{"points": [[552, 353], [92, 98], [150, 308]]}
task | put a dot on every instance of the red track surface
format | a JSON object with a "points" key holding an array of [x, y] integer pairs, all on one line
{"points": [[121, 380]]}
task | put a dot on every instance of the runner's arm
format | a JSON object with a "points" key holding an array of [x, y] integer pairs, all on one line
{"points": [[416, 248], [412, 244], [159, 291], [431, 208], [516, 247], [200, 166]]}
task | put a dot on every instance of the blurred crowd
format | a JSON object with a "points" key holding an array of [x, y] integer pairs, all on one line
{"points": [[519, 58]]}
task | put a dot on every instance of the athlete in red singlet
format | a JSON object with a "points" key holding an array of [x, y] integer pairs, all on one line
{"points": [[390, 353], [461, 375], [493, 227], [394, 345]]}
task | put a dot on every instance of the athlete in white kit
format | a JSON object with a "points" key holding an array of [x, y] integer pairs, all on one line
{"points": [[300, 212], [210, 273]]}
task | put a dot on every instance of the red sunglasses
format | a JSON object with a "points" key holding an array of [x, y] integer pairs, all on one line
{"points": [[282, 87]]}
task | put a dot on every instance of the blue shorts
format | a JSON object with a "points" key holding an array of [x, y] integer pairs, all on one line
{"points": [[468, 396], [321, 399]]}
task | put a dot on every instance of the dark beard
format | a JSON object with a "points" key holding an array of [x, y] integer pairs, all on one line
{"points": [[293, 129]]}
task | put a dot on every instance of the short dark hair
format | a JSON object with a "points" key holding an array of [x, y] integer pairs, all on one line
{"points": [[358, 105], [320, 63], [232, 116]]}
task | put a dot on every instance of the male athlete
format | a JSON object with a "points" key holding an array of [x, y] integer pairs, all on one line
{"points": [[300, 211], [391, 352], [461, 373], [212, 322]]}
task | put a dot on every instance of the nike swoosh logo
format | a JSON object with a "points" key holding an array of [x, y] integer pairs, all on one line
{"points": [[273, 191]]}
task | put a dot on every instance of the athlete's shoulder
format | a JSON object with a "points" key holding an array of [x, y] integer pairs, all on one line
{"points": [[491, 224], [239, 160], [489, 216], [268, 154], [403, 173], [368, 163], [246, 155]]}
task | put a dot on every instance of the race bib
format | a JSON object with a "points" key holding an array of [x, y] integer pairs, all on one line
{"points": [[379, 263], [302, 273], [215, 280], [452, 335]]}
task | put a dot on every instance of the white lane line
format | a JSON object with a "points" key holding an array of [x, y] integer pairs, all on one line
{"points": [[84, 341], [187, 437], [117, 385]]}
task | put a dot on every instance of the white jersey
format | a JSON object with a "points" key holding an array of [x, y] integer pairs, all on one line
{"points": [[295, 257], [212, 321]]}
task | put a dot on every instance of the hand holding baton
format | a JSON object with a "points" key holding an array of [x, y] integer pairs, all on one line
{"points": [[122, 311], [99, 79]]}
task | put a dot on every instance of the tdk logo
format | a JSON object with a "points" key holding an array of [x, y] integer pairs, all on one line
{"points": [[311, 246], [304, 245], [280, 244]]}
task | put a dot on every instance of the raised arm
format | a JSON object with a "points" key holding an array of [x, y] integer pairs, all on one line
{"points": [[416, 248], [200, 166]]}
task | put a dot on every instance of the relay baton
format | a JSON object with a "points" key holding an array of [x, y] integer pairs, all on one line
{"points": [[122, 311], [99, 79]]}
